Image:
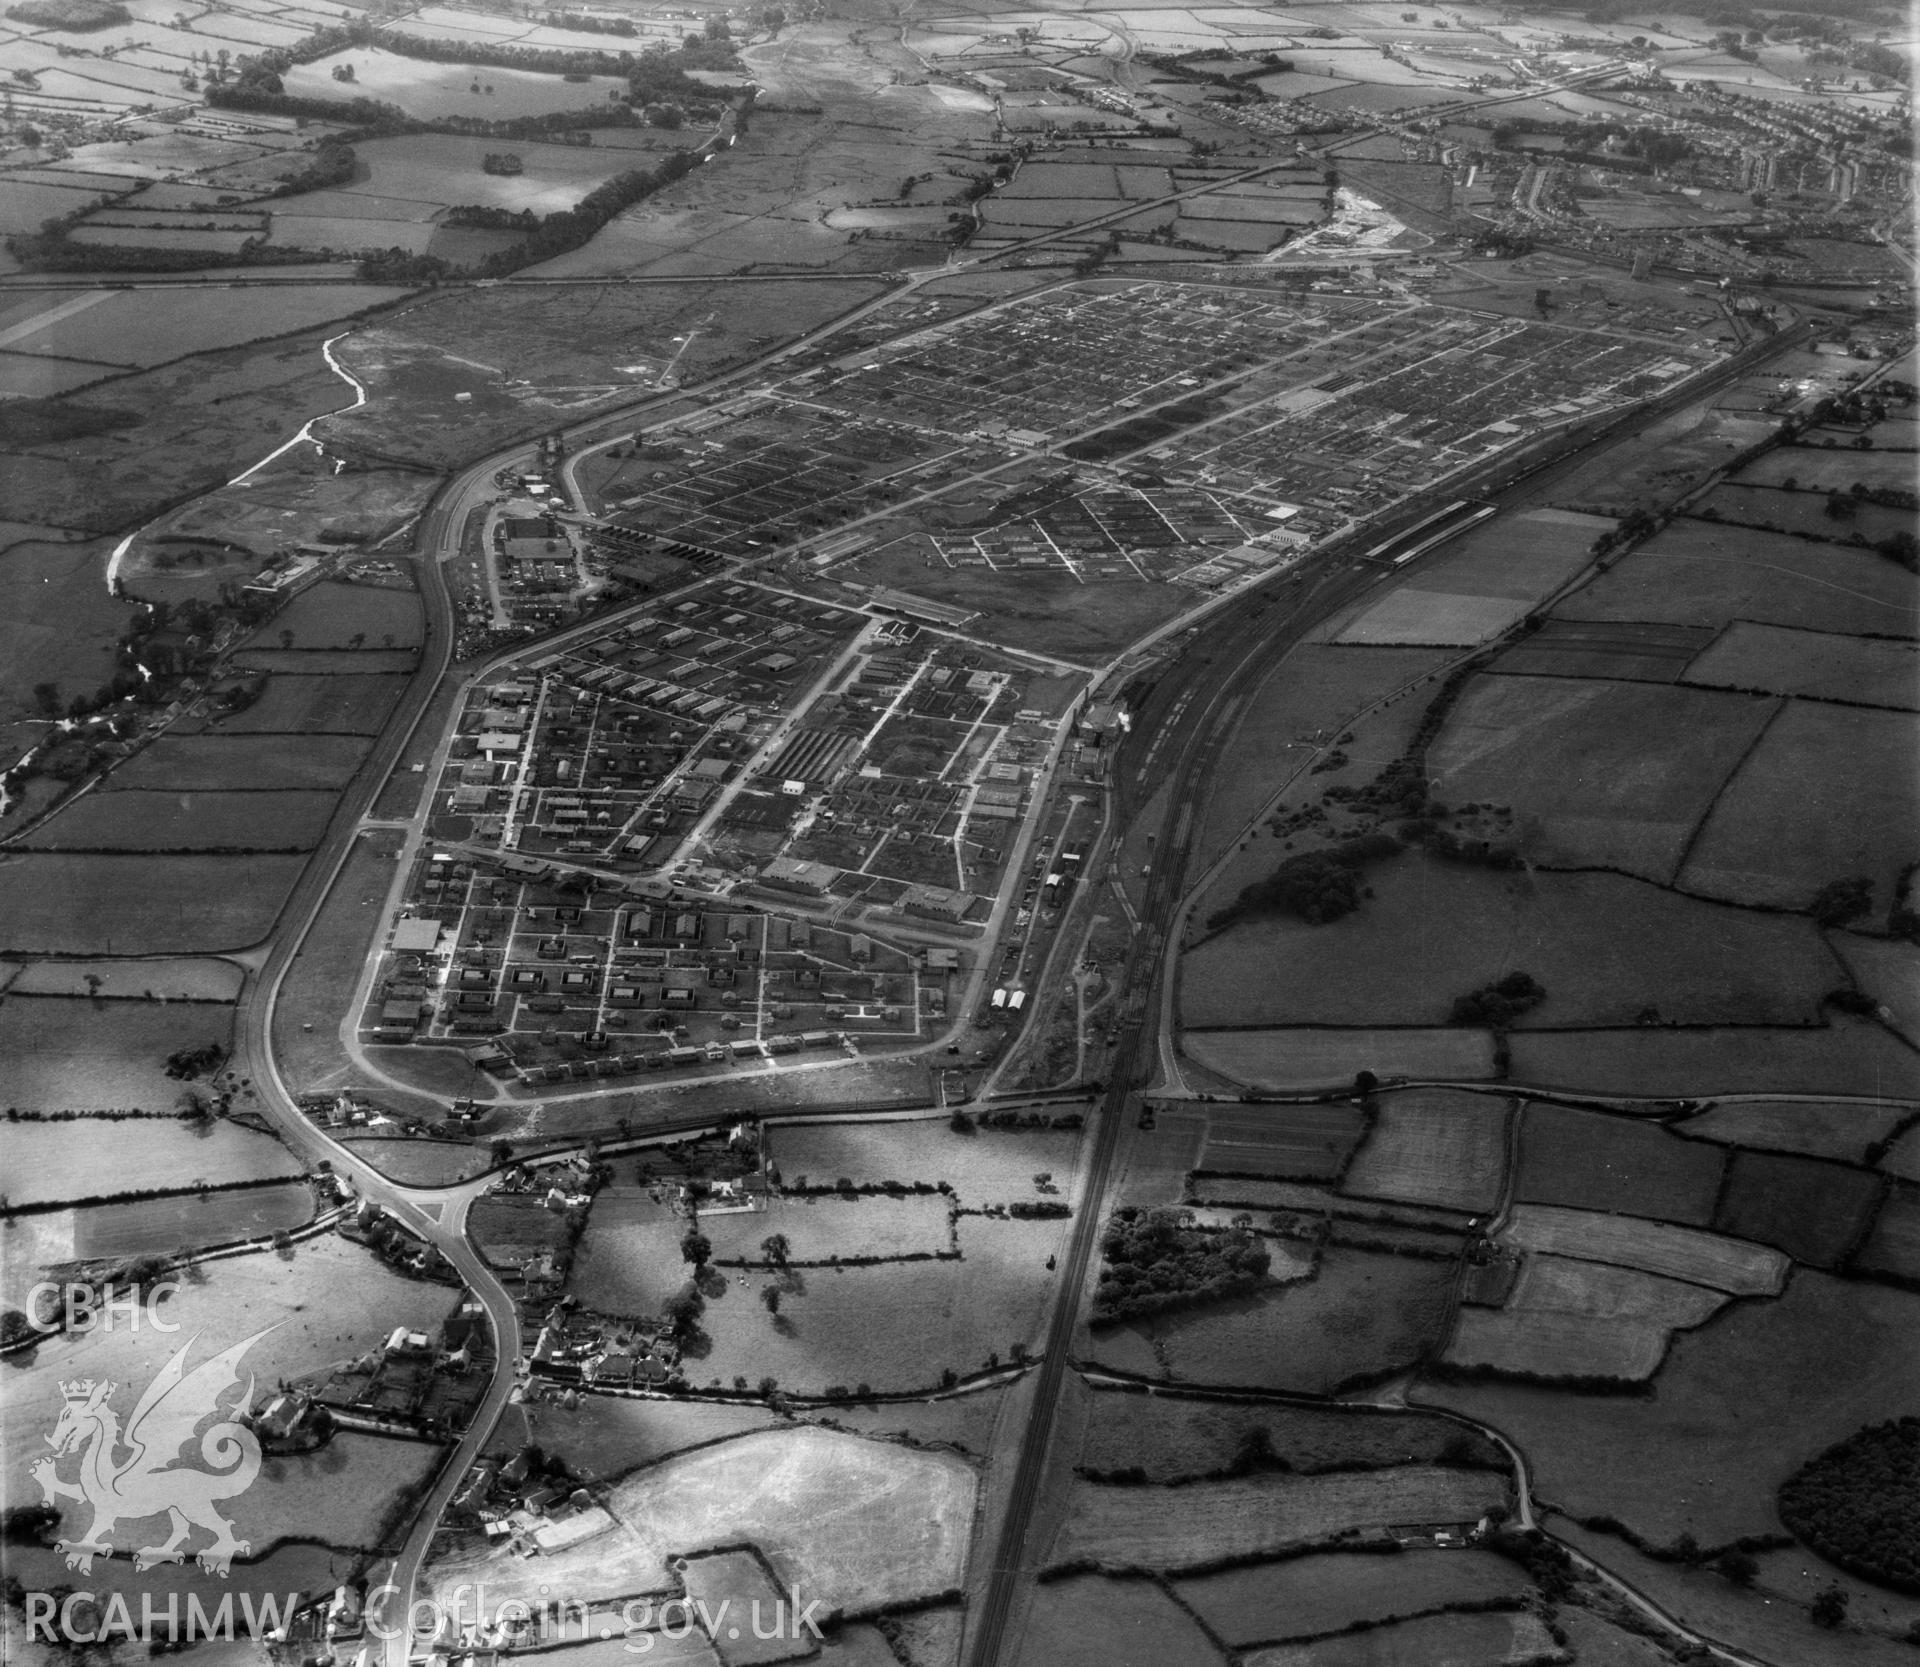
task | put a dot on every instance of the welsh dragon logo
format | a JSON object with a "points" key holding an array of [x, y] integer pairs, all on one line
{"points": [[143, 1472]]}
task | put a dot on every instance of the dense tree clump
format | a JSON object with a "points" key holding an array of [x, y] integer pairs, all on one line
{"points": [[1315, 886], [1840, 901], [1157, 1258], [1858, 1503], [1498, 1004]]}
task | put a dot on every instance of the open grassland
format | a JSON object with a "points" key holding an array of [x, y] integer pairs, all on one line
{"points": [[1816, 1212], [1496, 1640], [1312, 1596], [144, 905], [1846, 1059], [1361, 1317], [1830, 792], [73, 1054], [47, 1161], [1818, 1128], [1085, 1620], [1605, 947], [822, 1230], [345, 616], [1705, 573], [1314, 1058], [1591, 1161], [1868, 671], [1434, 1146], [158, 1226], [291, 1306], [350, 1494], [860, 1525], [628, 1261], [1731, 1265], [1614, 775], [1148, 1528], [1571, 1319], [1742, 1403], [163, 978], [258, 763], [987, 1166], [1175, 1438], [1298, 1142], [187, 821], [1894, 1245], [297, 705]]}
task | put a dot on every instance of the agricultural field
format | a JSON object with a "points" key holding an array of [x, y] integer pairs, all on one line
{"points": [[1358, 1316], [1894, 1245], [1742, 1403], [1804, 514], [1706, 573], [1731, 1265], [160, 1226], [1888, 971], [61, 626], [158, 979], [1815, 1212], [1606, 948], [1571, 1320], [1605, 650], [1174, 1438], [1147, 1528], [1509, 1640], [820, 1230], [1295, 1142], [1828, 469], [145, 905], [1119, 1623], [1656, 1062], [187, 821], [339, 705], [1761, 845], [1323, 1593], [987, 1166], [334, 615], [48, 1162], [1590, 1161], [69, 1053], [1572, 759], [1819, 1129], [859, 1524], [257, 763], [1770, 659], [353, 1494], [431, 91], [603, 1438], [1434, 1146], [1319, 1058]]}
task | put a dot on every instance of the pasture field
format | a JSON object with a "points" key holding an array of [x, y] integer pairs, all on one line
{"points": [[821, 1230], [1497, 1640], [298, 705], [1570, 1319], [136, 821], [128, 905], [859, 1524], [603, 1438], [1731, 1265], [1867, 671], [1889, 971], [1434, 1146], [165, 978], [1605, 650], [82, 1158], [171, 238], [61, 1053], [1327, 1592], [1146, 1528], [138, 327], [1574, 760], [1591, 1161], [1828, 469], [334, 615], [1362, 1316], [430, 91], [1846, 1059], [291, 1306], [1816, 1212], [1296, 1142], [422, 1163], [59, 626], [1604, 946], [1894, 1245], [1903, 1157], [155, 1226], [347, 1495], [988, 1166], [1765, 844], [328, 662], [1314, 1058], [1087, 1621], [1707, 573], [1175, 1439], [1817, 1128], [1801, 513], [1742, 1404], [258, 763], [1490, 577]]}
